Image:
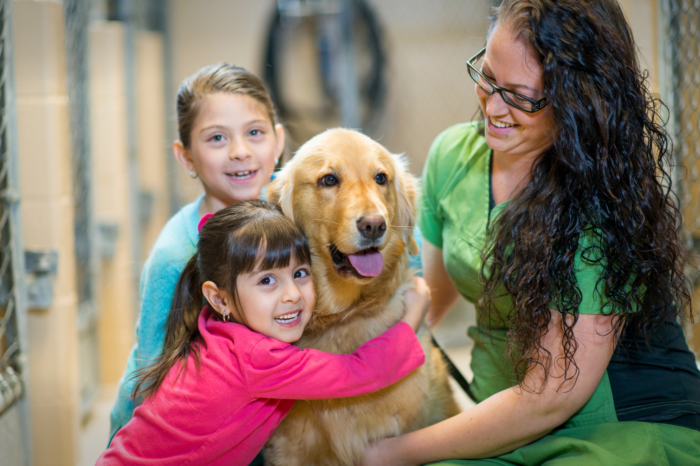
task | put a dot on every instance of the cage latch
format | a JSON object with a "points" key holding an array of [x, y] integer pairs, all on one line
{"points": [[41, 268]]}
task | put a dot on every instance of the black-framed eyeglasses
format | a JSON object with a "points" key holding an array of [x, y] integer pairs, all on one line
{"points": [[512, 98]]}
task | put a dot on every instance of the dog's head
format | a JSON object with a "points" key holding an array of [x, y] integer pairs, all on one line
{"points": [[354, 201]]}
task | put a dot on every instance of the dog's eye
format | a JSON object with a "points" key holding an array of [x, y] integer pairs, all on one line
{"points": [[380, 178], [329, 180]]}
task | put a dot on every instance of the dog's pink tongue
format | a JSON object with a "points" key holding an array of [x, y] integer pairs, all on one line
{"points": [[367, 265]]}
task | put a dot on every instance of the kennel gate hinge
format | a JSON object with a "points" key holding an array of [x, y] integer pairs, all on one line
{"points": [[41, 268]]}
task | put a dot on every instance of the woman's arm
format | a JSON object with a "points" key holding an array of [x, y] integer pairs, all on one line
{"points": [[513, 417], [443, 291]]}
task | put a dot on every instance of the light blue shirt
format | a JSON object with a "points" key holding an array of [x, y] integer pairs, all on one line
{"points": [[175, 245]]}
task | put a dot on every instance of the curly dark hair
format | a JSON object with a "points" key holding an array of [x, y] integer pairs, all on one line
{"points": [[606, 177]]}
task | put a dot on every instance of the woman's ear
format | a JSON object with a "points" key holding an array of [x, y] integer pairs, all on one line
{"points": [[183, 155], [216, 298]]}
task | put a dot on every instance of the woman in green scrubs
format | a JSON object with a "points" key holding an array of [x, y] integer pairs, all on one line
{"points": [[553, 215]]}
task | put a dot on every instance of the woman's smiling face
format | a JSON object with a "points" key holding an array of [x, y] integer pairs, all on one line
{"points": [[510, 62]]}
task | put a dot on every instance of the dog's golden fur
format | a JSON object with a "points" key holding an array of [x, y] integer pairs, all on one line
{"points": [[352, 309]]}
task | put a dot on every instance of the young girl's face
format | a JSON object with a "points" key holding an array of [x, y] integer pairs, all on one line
{"points": [[233, 150], [278, 303]]}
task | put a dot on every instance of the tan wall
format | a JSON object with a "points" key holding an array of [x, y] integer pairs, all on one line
{"points": [[642, 16], [152, 146], [429, 87], [427, 45], [45, 180], [118, 300]]}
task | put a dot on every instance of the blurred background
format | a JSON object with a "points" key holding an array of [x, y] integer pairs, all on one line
{"points": [[88, 180]]}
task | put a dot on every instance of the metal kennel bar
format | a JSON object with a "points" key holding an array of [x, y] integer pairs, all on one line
{"points": [[680, 87], [682, 54], [77, 17], [15, 433]]}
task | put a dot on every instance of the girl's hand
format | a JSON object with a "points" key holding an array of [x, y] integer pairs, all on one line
{"points": [[417, 303]]}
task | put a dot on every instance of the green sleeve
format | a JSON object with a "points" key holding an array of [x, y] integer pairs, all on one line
{"points": [[588, 270], [429, 218], [454, 152], [589, 267]]}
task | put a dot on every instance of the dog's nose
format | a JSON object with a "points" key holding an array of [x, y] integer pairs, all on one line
{"points": [[372, 226]]}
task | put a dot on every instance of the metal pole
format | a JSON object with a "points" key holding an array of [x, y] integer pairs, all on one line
{"points": [[169, 90], [349, 92], [77, 17], [127, 15], [10, 202]]}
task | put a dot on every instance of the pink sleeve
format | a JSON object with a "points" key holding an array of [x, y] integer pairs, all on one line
{"points": [[282, 371]]}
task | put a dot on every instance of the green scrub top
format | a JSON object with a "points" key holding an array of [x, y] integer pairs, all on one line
{"points": [[454, 216]]}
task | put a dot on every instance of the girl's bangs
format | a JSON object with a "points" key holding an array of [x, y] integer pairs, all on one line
{"points": [[279, 246], [270, 244]]}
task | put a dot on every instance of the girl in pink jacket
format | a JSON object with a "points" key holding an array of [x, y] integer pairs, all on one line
{"points": [[228, 373]]}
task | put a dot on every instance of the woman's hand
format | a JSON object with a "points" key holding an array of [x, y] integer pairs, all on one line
{"points": [[513, 417], [381, 453], [417, 303]]}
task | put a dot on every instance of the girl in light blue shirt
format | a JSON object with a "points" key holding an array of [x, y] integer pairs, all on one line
{"points": [[230, 140]]}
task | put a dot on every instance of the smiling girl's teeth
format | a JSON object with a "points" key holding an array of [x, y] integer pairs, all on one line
{"points": [[244, 174], [287, 317], [500, 124]]}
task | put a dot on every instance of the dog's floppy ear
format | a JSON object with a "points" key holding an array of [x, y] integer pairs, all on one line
{"points": [[280, 192], [407, 192]]}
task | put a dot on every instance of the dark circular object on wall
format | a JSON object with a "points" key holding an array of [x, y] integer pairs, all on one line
{"points": [[301, 77]]}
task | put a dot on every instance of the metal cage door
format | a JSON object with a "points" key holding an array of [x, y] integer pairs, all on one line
{"points": [[15, 441]]}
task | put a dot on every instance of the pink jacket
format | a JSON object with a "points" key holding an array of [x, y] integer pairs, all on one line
{"points": [[224, 412]]}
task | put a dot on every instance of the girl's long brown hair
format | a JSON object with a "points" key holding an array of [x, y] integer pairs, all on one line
{"points": [[606, 176], [242, 238]]}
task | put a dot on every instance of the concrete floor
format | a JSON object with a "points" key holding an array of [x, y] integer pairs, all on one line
{"points": [[95, 433]]}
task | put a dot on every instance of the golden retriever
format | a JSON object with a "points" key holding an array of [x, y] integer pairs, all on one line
{"points": [[355, 202]]}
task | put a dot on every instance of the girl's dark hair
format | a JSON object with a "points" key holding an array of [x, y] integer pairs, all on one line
{"points": [[243, 238], [606, 177]]}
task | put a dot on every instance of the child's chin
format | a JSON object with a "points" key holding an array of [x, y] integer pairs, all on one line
{"points": [[291, 338], [247, 194], [290, 335]]}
